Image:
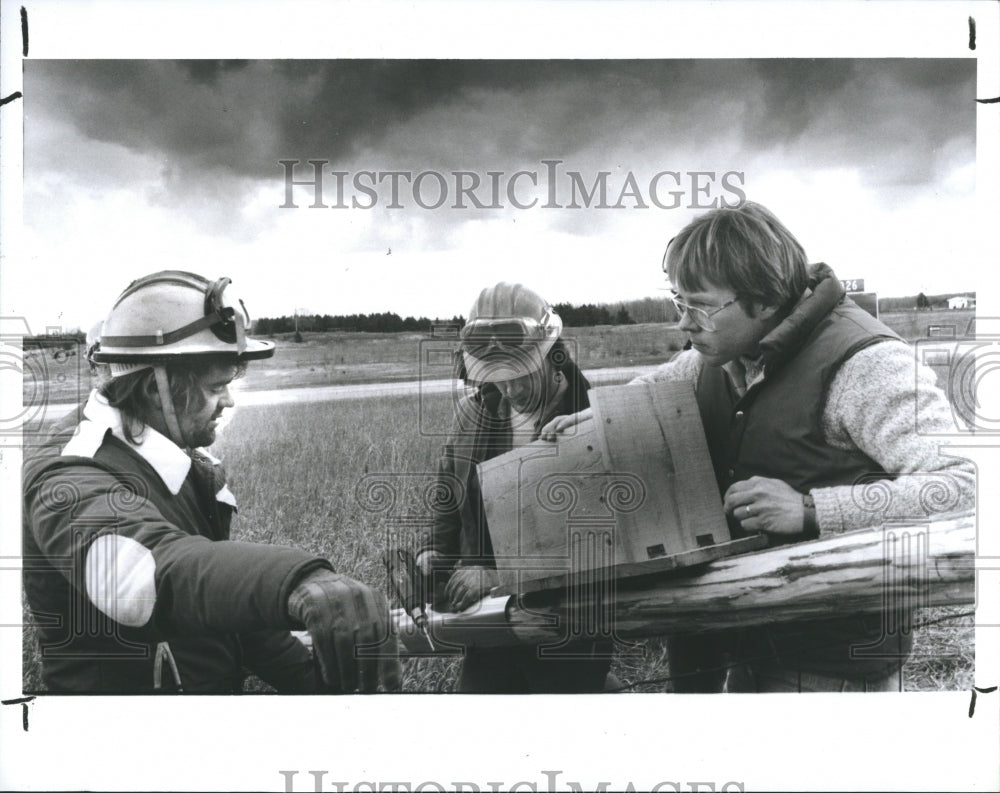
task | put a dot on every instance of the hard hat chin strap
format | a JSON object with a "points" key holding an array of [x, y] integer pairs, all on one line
{"points": [[167, 406]]}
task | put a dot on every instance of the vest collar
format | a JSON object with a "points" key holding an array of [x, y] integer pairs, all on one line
{"points": [[825, 292], [170, 462]]}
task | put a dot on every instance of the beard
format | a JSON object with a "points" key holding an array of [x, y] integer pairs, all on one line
{"points": [[203, 435]]}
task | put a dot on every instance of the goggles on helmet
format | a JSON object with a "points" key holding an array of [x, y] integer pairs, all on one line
{"points": [[224, 321], [229, 322], [486, 337]]}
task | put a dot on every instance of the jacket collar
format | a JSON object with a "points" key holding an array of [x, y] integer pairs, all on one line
{"points": [[822, 294], [170, 462], [825, 292]]}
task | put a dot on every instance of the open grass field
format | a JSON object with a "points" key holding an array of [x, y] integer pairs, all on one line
{"points": [[314, 476], [347, 358], [301, 474], [354, 446]]}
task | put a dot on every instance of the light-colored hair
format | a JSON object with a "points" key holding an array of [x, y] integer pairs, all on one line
{"points": [[746, 249]]}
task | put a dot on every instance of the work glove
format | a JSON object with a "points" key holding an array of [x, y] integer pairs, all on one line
{"points": [[342, 614], [469, 585]]}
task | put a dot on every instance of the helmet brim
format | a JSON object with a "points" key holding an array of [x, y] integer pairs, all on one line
{"points": [[255, 350]]}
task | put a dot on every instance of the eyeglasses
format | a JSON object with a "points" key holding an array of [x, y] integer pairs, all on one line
{"points": [[700, 317]]}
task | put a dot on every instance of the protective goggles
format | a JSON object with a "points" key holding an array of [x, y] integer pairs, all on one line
{"points": [[230, 323], [489, 336], [702, 317]]}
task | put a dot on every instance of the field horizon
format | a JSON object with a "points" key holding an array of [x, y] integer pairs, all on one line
{"points": [[53, 376], [314, 505]]}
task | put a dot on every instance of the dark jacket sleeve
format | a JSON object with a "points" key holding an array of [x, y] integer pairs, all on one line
{"points": [[194, 585], [446, 517], [281, 660], [456, 468]]}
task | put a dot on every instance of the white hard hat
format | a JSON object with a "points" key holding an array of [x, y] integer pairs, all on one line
{"points": [[173, 313], [509, 332]]}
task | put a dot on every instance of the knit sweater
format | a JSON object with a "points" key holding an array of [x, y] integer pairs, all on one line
{"points": [[874, 407]]}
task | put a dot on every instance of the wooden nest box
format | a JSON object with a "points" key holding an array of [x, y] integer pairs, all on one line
{"points": [[629, 492]]}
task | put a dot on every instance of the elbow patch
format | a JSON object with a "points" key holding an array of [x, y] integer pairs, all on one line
{"points": [[120, 579]]}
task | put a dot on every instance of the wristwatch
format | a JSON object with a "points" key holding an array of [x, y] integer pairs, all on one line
{"points": [[810, 526]]}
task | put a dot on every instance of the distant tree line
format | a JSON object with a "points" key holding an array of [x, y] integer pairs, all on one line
{"points": [[649, 309], [628, 312], [386, 322], [57, 341], [588, 314]]}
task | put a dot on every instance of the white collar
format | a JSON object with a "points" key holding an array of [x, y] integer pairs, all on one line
{"points": [[169, 461]]}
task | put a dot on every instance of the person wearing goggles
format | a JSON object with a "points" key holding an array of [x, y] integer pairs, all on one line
{"points": [[512, 354], [128, 520], [802, 395]]}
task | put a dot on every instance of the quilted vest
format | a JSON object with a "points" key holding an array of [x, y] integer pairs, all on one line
{"points": [[775, 430]]}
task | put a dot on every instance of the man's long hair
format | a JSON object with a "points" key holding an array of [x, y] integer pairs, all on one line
{"points": [[134, 394]]}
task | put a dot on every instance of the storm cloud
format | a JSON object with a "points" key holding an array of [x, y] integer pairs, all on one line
{"points": [[238, 118], [166, 162]]}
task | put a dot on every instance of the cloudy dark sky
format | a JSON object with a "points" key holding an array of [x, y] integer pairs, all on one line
{"points": [[135, 165]]}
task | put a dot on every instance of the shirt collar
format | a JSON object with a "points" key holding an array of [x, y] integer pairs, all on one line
{"points": [[170, 462], [744, 371]]}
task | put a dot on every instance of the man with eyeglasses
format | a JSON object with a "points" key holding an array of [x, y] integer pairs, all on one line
{"points": [[129, 571], [511, 352], [806, 400]]}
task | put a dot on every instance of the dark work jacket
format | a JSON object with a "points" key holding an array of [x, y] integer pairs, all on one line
{"points": [[219, 605], [775, 430], [459, 529]]}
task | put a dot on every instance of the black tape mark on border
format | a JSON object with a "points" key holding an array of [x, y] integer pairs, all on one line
{"points": [[972, 46], [972, 702], [24, 32], [23, 702], [11, 98]]}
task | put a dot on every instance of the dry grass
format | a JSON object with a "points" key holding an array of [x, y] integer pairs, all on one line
{"points": [[345, 358], [342, 358], [316, 506], [296, 471]]}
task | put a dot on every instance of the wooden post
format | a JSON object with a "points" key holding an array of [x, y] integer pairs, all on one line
{"points": [[872, 570]]}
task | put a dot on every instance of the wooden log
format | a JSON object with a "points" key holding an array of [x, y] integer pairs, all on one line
{"points": [[872, 570]]}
